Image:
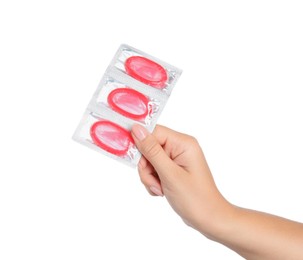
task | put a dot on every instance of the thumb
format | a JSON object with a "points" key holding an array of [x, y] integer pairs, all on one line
{"points": [[149, 146]]}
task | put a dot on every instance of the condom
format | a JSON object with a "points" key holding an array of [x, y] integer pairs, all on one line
{"points": [[128, 102], [111, 137], [146, 71]]}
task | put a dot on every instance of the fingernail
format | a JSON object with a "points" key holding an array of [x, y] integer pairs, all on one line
{"points": [[156, 191], [139, 132]]}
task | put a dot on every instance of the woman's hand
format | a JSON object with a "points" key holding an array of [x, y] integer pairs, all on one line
{"points": [[173, 165]]}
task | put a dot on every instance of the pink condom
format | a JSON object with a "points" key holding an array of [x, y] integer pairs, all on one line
{"points": [[146, 71], [111, 137], [128, 102]]}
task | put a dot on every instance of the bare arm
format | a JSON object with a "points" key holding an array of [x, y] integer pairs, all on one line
{"points": [[257, 235], [173, 165]]}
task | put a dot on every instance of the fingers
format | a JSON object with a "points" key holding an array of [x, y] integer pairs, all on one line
{"points": [[162, 134], [181, 148], [151, 149], [149, 178]]}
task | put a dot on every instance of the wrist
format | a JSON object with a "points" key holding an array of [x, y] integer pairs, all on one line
{"points": [[220, 221]]}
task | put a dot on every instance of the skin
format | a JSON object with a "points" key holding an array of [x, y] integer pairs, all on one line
{"points": [[173, 165]]}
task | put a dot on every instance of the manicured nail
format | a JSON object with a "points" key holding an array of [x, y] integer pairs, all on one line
{"points": [[156, 191], [139, 132]]}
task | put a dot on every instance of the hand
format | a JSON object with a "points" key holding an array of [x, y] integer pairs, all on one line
{"points": [[173, 165]]}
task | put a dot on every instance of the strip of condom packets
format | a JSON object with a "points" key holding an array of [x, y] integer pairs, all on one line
{"points": [[134, 89]]}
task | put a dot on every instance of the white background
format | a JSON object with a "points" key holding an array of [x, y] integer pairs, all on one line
{"points": [[240, 95]]}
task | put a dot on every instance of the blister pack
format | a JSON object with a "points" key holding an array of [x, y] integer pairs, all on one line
{"points": [[134, 89]]}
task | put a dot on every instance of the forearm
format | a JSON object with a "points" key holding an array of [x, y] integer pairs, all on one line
{"points": [[257, 235]]}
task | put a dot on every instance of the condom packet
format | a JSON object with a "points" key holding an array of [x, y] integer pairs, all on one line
{"points": [[134, 89]]}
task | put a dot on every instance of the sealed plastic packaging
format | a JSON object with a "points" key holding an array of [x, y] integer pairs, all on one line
{"points": [[134, 89], [127, 101], [146, 69]]}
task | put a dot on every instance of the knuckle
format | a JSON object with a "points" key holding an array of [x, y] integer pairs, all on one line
{"points": [[191, 139], [142, 177], [192, 143]]}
